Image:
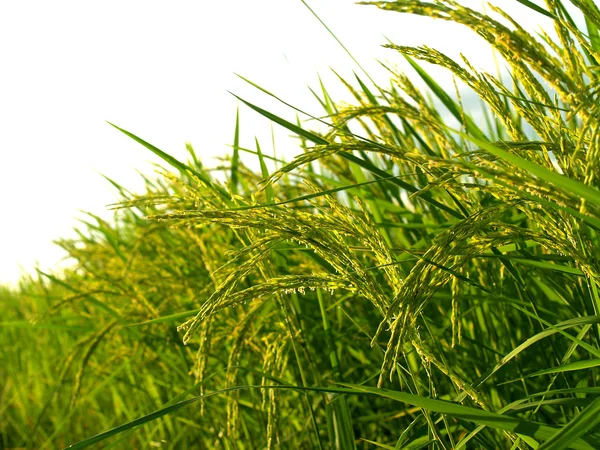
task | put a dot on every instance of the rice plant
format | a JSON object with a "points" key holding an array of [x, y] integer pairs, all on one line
{"points": [[421, 275]]}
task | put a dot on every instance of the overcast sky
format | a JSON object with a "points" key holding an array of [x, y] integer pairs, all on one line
{"points": [[162, 70]]}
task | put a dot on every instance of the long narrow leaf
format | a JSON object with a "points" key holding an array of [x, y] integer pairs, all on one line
{"points": [[585, 421], [538, 9], [481, 417]]}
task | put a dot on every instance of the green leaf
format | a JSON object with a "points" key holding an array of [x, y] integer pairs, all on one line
{"points": [[593, 34], [87, 296], [265, 173], [549, 266], [585, 421], [134, 423], [579, 365], [538, 9], [166, 319], [236, 154], [558, 328], [284, 123], [174, 162], [559, 181], [360, 162], [458, 411], [448, 102], [478, 416]]}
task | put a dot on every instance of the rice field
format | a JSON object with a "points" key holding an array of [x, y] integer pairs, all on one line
{"points": [[422, 275]]}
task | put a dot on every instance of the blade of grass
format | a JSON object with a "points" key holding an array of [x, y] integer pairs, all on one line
{"points": [[538, 9], [458, 411], [174, 162], [585, 421], [236, 154], [265, 173], [360, 162], [166, 319], [559, 181], [579, 365], [448, 102]]}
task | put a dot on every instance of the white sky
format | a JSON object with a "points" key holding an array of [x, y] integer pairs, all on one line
{"points": [[162, 70]]}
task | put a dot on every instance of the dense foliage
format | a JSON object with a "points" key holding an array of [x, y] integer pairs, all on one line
{"points": [[415, 278]]}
